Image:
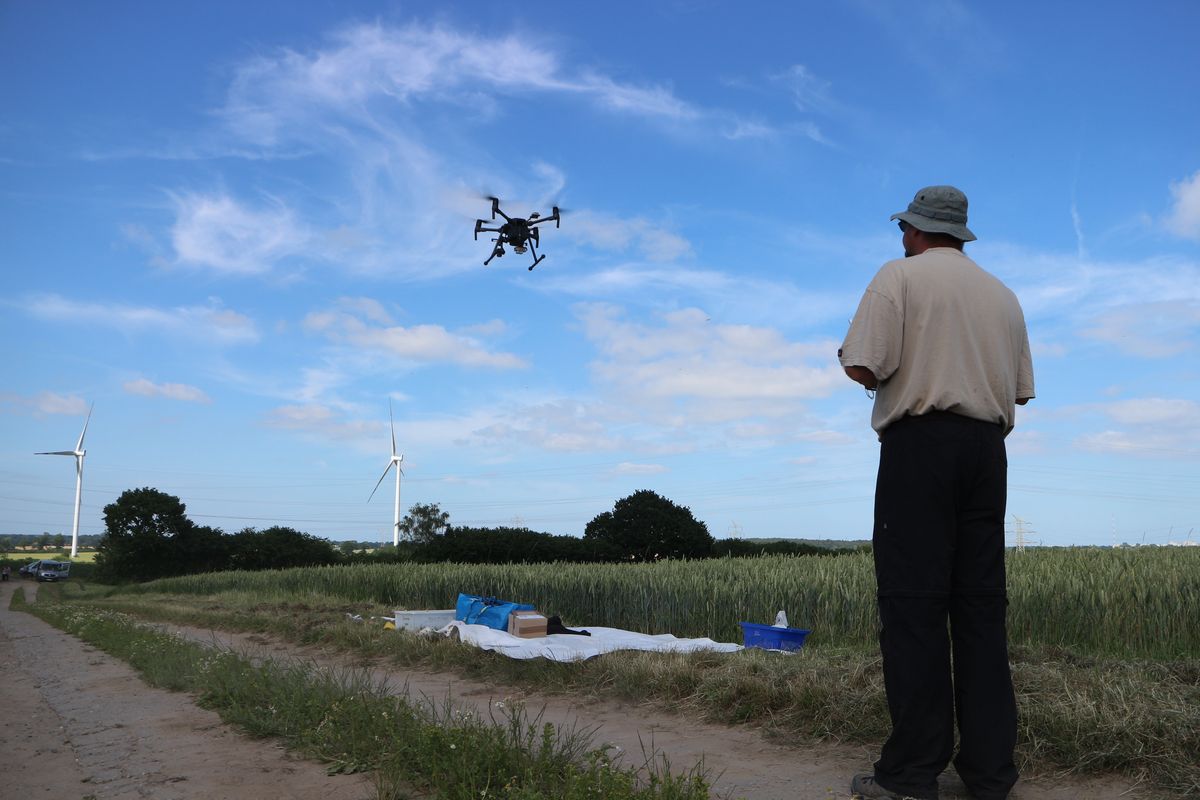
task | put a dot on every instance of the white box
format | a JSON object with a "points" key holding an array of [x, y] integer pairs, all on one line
{"points": [[416, 620]]}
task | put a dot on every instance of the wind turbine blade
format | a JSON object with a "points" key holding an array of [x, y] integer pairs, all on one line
{"points": [[381, 477], [79, 446], [57, 453], [392, 423]]}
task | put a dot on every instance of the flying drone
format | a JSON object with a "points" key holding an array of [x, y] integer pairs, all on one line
{"points": [[521, 234]]}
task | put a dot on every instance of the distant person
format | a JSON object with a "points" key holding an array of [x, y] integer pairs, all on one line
{"points": [[5, 571], [943, 346]]}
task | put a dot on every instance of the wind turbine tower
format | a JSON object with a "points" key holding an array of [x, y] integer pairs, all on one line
{"points": [[396, 461], [79, 453]]}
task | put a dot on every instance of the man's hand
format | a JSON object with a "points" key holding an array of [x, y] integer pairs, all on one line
{"points": [[862, 375]]}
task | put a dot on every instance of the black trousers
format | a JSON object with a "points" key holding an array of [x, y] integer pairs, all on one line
{"points": [[939, 563]]}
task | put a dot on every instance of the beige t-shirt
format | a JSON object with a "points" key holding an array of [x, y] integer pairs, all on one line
{"points": [[940, 333]]}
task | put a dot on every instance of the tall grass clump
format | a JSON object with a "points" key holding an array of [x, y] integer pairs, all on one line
{"points": [[1136, 601], [1140, 602]]}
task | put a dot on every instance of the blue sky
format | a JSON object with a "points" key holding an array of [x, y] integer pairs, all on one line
{"points": [[241, 229]]}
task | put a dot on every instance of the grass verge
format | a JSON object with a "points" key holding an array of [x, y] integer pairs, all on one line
{"points": [[1080, 715], [353, 724]]}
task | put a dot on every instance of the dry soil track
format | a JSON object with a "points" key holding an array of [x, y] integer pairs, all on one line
{"points": [[79, 724]]}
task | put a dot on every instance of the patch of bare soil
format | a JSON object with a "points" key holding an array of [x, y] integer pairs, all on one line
{"points": [[77, 723], [167, 748]]}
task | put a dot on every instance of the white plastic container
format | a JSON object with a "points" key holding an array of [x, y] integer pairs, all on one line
{"points": [[416, 620]]}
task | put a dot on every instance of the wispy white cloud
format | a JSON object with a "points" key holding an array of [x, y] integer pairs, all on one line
{"points": [[425, 344], [614, 234], [47, 403], [327, 423], [1176, 413], [1148, 330], [1148, 308], [737, 296], [810, 95], [1146, 426], [719, 371], [218, 232], [1077, 222], [809, 92], [53, 403], [650, 101], [171, 391], [630, 468], [367, 307], [558, 425], [211, 323], [938, 32], [750, 129], [368, 100], [825, 437], [1184, 217], [405, 64], [1149, 443]]}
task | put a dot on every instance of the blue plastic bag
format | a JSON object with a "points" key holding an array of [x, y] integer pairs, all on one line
{"points": [[490, 611]]}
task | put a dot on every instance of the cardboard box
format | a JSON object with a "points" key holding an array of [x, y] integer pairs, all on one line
{"points": [[527, 624]]}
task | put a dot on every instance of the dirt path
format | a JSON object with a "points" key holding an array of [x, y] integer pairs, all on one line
{"points": [[79, 724], [126, 740]]}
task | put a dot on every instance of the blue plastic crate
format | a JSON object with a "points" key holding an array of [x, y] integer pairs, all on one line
{"points": [[768, 637]]}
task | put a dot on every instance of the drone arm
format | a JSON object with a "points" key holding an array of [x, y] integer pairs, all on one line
{"points": [[497, 251], [553, 216], [496, 210]]}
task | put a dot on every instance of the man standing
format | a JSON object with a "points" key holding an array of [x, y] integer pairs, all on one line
{"points": [[943, 345]]}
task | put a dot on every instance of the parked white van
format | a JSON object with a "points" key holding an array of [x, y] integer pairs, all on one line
{"points": [[53, 570]]}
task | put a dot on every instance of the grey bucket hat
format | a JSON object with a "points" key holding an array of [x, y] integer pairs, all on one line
{"points": [[939, 209]]}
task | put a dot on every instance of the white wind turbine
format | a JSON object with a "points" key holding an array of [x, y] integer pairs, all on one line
{"points": [[79, 453], [396, 461]]}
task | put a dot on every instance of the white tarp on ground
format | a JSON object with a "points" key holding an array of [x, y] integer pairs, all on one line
{"points": [[571, 647]]}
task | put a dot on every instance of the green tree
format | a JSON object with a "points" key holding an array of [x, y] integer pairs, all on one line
{"points": [[278, 548], [59, 540], [146, 533], [44, 540], [424, 523], [645, 527], [203, 549]]}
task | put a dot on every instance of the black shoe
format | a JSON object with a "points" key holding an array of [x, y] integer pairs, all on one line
{"points": [[864, 787]]}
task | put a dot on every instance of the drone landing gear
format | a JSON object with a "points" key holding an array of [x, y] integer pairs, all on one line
{"points": [[536, 261]]}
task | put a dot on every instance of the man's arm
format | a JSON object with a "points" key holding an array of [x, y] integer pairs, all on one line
{"points": [[862, 375]]}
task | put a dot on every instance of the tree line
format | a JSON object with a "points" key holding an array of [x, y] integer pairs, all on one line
{"points": [[44, 541], [147, 535]]}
